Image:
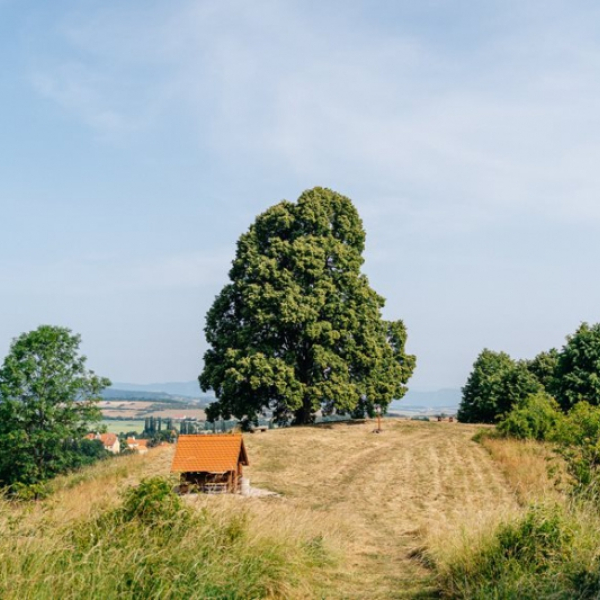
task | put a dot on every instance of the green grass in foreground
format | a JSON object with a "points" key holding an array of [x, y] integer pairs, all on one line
{"points": [[552, 551]]}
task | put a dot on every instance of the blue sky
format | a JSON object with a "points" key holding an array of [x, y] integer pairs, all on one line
{"points": [[140, 139]]}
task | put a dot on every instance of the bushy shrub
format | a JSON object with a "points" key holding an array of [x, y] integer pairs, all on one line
{"points": [[152, 501], [542, 555], [536, 417], [579, 439]]}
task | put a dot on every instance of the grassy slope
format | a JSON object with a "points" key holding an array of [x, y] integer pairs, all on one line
{"points": [[550, 548], [388, 495], [375, 501]]}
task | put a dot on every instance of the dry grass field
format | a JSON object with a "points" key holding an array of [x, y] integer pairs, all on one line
{"points": [[381, 505], [388, 496]]}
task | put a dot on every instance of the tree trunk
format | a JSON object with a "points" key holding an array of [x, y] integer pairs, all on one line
{"points": [[304, 415]]}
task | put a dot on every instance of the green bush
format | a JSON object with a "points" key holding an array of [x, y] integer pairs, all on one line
{"points": [[579, 439], [536, 417], [152, 501], [545, 554]]}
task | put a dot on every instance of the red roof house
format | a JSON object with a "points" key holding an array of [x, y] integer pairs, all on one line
{"points": [[109, 440]]}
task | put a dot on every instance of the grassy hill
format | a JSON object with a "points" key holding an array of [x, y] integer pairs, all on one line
{"points": [[360, 515]]}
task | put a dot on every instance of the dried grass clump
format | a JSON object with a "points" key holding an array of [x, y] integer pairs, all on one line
{"points": [[151, 544]]}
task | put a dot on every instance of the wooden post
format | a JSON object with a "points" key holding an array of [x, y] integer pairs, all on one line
{"points": [[378, 413]]}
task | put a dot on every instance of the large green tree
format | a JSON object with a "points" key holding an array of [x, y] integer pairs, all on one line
{"points": [[48, 399], [298, 329], [577, 372], [494, 386]]}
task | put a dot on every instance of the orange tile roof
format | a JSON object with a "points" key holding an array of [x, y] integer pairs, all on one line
{"points": [[214, 453], [131, 441], [108, 439]]}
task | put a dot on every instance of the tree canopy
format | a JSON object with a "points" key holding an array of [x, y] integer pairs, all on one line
{"points": [[543, 366], [48, 399], [494, 386], [571, 375], [298, 329], [577, 371]]}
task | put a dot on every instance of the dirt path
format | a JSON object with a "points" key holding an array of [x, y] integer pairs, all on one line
{"points": [[388, 492]]}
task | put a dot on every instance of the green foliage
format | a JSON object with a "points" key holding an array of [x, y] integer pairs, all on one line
{"points": [[298, 329], [152, 501], [48, 399], [535, 417], [28, 492], [494, 386], [538, 538], [543, 367], [579, 439], [544, 554], [577, 375]]}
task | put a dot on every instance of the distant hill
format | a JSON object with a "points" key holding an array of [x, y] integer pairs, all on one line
{"points": [[178, 389], [119, 394], [191, 389], [186, 390], [445, 398]]}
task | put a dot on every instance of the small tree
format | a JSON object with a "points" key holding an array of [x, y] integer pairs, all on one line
{"points": [[298, 329], [48, 400], [494, 386]]}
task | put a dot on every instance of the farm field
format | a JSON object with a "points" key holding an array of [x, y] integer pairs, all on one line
{"points": [[139, 409], [113, 426]]}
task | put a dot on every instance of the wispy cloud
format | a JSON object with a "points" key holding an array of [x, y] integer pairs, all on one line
{"points": [[453, 138]]}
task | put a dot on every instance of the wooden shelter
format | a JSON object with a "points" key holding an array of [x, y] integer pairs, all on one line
{"points": [[212, 463]]}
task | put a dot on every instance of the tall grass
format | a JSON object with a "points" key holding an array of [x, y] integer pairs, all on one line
{"points": [[549, 548], [550, 551], [146, 542], [530, 467]]}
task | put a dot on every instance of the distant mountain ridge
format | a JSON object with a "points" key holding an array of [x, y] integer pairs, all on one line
{"points": [[446, 397]]}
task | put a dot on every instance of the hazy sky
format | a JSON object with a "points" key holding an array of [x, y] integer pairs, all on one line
{"points": [[139, 139]]}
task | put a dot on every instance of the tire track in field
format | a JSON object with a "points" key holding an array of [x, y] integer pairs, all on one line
{"points": [[388, 491]]}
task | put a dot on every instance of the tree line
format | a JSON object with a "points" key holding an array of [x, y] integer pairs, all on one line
{"points": [[554, 398], [497, 383]]}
